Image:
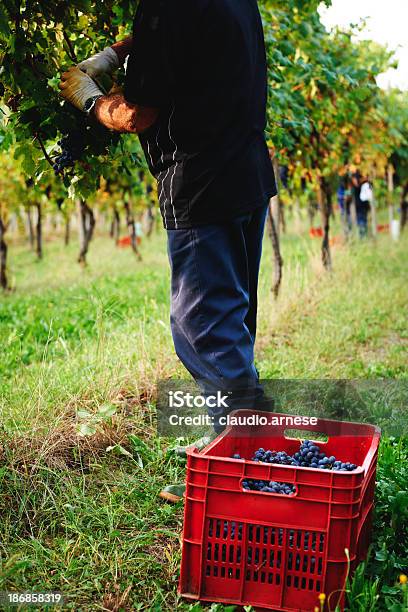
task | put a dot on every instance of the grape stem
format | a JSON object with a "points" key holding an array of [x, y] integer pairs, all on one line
{"points": [[71, 50], [47, 157]]}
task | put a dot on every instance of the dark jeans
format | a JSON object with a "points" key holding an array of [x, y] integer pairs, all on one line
{"points": [[362, 210], [215, 271]]}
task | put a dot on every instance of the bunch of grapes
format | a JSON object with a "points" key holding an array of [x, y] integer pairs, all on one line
{"points": [[83, 138], [269, 456], [309, 455], [72, 149], [269, 486]]}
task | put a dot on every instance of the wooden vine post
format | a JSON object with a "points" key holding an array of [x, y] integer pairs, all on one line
{"points": [[3, 255], [324, 201], [390, 193], [86, 230]]}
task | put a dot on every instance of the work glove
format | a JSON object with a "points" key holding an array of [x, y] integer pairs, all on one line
{"points": [[104, 62], [77, 87]]}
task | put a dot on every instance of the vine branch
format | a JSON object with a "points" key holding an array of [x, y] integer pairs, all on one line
{"points": [[47, 157], [71, 50]]}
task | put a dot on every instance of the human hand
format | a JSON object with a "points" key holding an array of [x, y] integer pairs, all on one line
{"points": [[77, 87], [104, 62]]}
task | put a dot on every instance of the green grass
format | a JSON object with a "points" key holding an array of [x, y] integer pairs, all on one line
{"points": [[88, 522]]}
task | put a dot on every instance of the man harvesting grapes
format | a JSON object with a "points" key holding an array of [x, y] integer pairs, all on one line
{"points": [[195, 92]]}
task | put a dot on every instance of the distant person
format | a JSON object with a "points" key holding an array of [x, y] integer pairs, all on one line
{"points": [[355, 187], [344, 202], [363, 206]]}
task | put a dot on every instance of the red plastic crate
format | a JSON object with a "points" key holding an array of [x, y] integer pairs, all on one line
{"points": [[274, 551]]}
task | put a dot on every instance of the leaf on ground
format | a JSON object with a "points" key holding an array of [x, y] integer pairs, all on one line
{"points": [[117, 449], [390, 590], [107, 410], [86, 429], [84, 414]]}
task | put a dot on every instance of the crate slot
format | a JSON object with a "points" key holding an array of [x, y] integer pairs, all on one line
{"points": [[224, 549], [301, 564]]}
